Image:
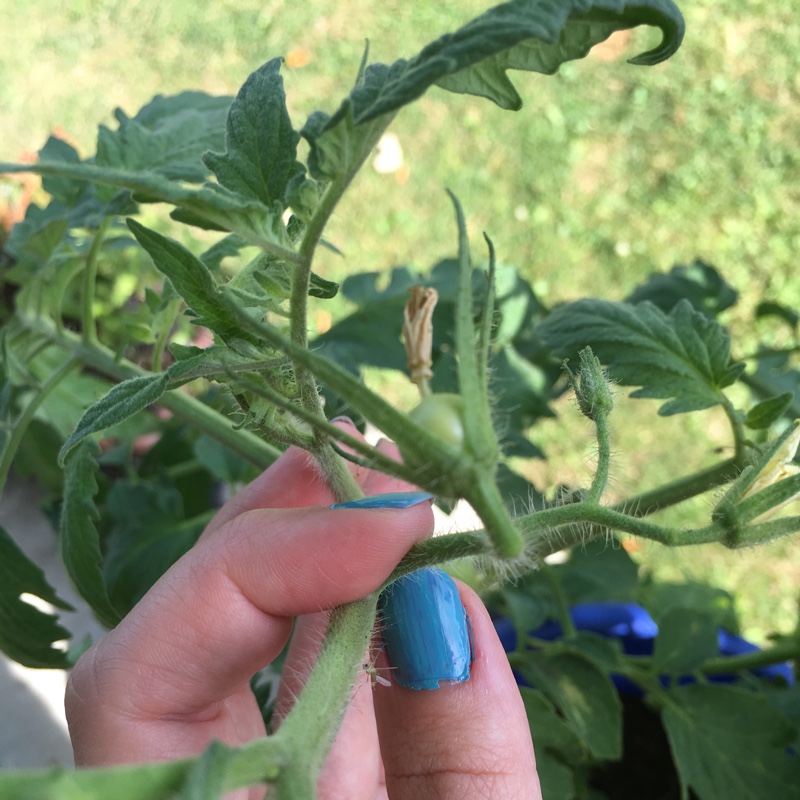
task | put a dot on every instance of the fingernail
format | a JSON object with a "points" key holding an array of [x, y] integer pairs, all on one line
{"points": [[389, 500], [344, 419], [425, 630]]}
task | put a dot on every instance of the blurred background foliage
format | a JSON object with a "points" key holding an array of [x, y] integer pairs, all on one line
{"points": [[609, 173]]}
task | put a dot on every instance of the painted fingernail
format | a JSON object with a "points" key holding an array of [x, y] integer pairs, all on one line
{"points": [[389, 500], [425, 630]]}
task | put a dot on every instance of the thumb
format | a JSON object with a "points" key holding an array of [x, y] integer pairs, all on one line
{"points": [[470, 736]]}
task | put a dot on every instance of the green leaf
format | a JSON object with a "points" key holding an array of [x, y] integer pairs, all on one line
{"points": [[600, 570], [122, 401], [205, 779], [261, 156], [37, 456], [321, 288], [528, 608], [64, 191], [719, 605], [604, 652], [149, 534], [763, 414], [585, 696], [221, 462], [699, 283], [33, 240], [684, 355], [686, 638], [730, 744], [168, 136], [538, 36], [774, 375], [550, 730], [340, 145], [227, 247], [211, 204], [192, 281], [80, 543], [532, 35], [768, 308], [26, 633], [521, 389], [557, 746]]}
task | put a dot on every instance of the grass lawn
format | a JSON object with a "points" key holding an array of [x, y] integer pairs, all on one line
{"points": [[608, 173]]}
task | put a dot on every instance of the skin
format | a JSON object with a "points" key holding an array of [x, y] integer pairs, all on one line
{"points": [[174, 674]]}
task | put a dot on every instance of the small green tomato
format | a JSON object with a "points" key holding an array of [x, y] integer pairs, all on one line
{"points": [[442, 416]]}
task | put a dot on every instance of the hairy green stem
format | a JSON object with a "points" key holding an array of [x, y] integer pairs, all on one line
{"points": [[257, 762], [600, 479], [337, 474], [100, 358], [373, 458], [485, 498], [479, 436], [27, 415], [487, 318], [441, 549], [89, 332], [309, 729], [539, 522], [647, 503], [301, 275]]}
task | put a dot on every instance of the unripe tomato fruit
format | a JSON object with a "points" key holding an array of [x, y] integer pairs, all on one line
{"points": [[442, 416]]}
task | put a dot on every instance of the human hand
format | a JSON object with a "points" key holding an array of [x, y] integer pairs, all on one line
{"points": [[174, 675]]}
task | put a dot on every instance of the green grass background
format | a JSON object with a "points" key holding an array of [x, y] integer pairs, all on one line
{"points": [[608, 173]]}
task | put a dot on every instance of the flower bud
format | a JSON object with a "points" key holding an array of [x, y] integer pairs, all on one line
{"points": [[591, 386]]}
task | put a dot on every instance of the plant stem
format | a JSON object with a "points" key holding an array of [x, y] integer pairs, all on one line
{"points": [[100, 358], [89, 333], [487, 317], [737, 428], [309, 729], [174, 307], [257, 762], [337, 474], [26, 417], [787, 650], [562, 606], [373, 458], [441, 549], [682, 489], [479, 437], [584, 512], [600, 479], [485, 498]]}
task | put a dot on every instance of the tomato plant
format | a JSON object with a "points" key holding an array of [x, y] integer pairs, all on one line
{"points": [[218, 340]]}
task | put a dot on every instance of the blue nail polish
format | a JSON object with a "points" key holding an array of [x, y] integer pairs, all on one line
{"points": [[425, 630], [389, 500]]}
